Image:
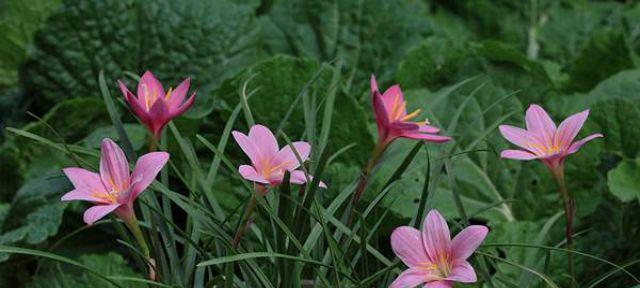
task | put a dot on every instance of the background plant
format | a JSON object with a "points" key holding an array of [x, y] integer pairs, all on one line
{"points": [[302, 68]]}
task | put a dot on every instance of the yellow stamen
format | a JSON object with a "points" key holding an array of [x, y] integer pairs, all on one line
{"points": [[412, 115], [166, 96]]}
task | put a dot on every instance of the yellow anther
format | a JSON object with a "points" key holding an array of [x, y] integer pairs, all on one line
{"points": [[412, 115]]}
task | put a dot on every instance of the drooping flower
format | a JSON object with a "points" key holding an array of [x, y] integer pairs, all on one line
{"points": [[432, 257], [113, 189], [390, 111], [153, 107], [542, 140], [268, 161]]}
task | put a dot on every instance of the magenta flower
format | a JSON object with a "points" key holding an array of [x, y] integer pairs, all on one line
{"points": [[432, 257], [113, 190], [390, 111], [155, 108], [268, 161], [542, 140]]}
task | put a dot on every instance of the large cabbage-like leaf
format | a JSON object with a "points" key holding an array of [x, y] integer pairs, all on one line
{"points": [[206, 40]]}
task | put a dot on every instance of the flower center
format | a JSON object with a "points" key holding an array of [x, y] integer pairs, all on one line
{"points": [[398, 108]]}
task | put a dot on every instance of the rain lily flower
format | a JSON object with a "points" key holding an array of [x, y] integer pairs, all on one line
{"points": [[153, 106], [393, 122], [268, 161], [113, 189], [432, 257], [550, 144], [543, 141]]}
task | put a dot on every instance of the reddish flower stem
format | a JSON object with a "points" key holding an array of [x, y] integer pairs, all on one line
{"points": [[364, 178], [569, 212], [246, 217]]}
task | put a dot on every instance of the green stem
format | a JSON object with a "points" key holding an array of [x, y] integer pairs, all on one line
{"points": [[153, 144], [569, 212], [244, 222], [132, 224]]}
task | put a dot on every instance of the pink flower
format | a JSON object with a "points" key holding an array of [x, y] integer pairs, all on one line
{"points": [[390, 111], [433, 258], [153, 107], [542, 140], [268, 161], [113, 190]]}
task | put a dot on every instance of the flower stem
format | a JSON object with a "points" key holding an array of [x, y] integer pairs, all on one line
{"points": [[364, 178], [132, 223], [569, 212], [246, 217], [153, 144]]}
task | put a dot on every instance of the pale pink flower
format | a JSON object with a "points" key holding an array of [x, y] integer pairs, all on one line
{"points": [[542, 140], [432, 257], [268, 161], [155, 108], [114, 189], [390, 111]]}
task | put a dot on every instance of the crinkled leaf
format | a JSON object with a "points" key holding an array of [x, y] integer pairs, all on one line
{"points": [[111, 264], [206, 40], [36, 211], [624, 180]]}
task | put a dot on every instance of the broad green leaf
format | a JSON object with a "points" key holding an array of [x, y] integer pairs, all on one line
{"points": [[35, 212], [110, 264], [19, 21], [209, 41], [624, 180]]}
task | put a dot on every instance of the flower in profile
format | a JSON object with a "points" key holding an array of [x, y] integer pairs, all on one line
{"points": [[268, 161], [390, 111], [153, 107], [542, 140], [432, 257], [113, 189]]}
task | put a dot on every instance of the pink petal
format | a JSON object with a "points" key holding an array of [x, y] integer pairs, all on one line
{"points": [[374, 84], [298, 177], [149, 89], [467, 241], [518, 155], [184, 107], [84, 180], [516, 135], [380, 114], [463, 272], [249, 148], [576, 145], [82, 195], [408, 127], [264, 140], [539, 124], [249, 173], [435, 236], [428, 129], [286, 159], [394, 97], [177, 95], [407, 245], [569, 128], [159, 116], [95, 213], [411, 277], [147, 168], [114, 168], [135, 107], [438, 284], [427, 137]]}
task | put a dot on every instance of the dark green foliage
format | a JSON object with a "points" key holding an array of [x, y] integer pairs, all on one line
{"points": [[469, 65]]}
